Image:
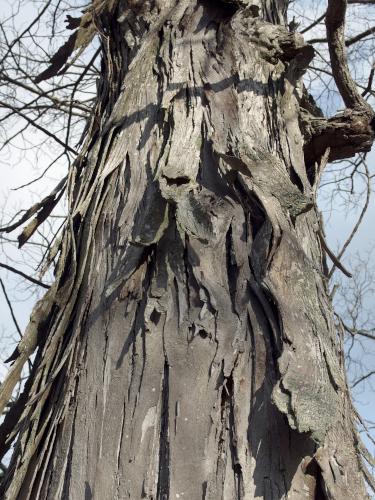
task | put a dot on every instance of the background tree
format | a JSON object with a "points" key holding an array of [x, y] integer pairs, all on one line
{"points": [[187, 346]]}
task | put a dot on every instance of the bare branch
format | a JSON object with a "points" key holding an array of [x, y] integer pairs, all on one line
{"points": [[358, 223], [360, 332], [335, 25], [361, 379], [349, 41], [332, 256], [312, 25], [27, 277], [10, 307], [39, 127]]}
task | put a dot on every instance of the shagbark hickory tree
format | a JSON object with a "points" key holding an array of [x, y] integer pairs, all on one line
{"points": [[187, 347]]}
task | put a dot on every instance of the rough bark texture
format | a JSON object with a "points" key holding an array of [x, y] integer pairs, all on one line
{"points": [[189, 349]]}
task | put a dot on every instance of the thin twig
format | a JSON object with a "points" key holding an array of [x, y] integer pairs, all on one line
{"points": [[27, 277], [39, 127], [317, 21], [11, 309], [359, 221], [361, 379], [331, 255], [14, 318]]}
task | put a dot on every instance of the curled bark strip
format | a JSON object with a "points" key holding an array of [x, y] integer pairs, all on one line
{"points": [[42, 209], [78, 41], [59, 59], [12, 415], [41, 216], [25, 347]]}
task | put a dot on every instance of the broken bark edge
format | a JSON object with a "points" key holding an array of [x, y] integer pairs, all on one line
{"points": [[346, 134]]}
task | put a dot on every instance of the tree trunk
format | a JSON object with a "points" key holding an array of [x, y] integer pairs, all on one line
{"points": [[187, 347]]}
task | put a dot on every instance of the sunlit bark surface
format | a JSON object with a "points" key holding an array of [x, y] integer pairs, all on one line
{"points": [[189, 349]]}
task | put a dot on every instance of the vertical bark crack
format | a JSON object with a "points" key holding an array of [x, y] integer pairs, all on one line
{"points": [[232, 268], [164, 456], [228, 438]]}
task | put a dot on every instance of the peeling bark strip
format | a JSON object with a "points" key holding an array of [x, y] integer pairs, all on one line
{"points": [[189, 349]]}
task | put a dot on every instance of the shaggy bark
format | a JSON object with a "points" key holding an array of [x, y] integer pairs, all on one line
{"points": [[187, 348]]}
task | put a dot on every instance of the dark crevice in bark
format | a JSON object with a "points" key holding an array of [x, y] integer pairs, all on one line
{"points": [[16, 409], [155, 317], [296, 180], [269, 307], [186, 269], [177, 181], [138, 328], [236, 464], [228, 7], [253, 205], [312, 471], [232, 268], [204, 490], [122, 193], [311, 171], [164, 458], [46, 408], [88, 492], [178, 307], [47, 445], [66, 271], [105, 350], [141, 255], [68, 470], [257, 215], [131, 340], [144, 355], [253, 365], [228, 437], [330, 375], [319, 492]]}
